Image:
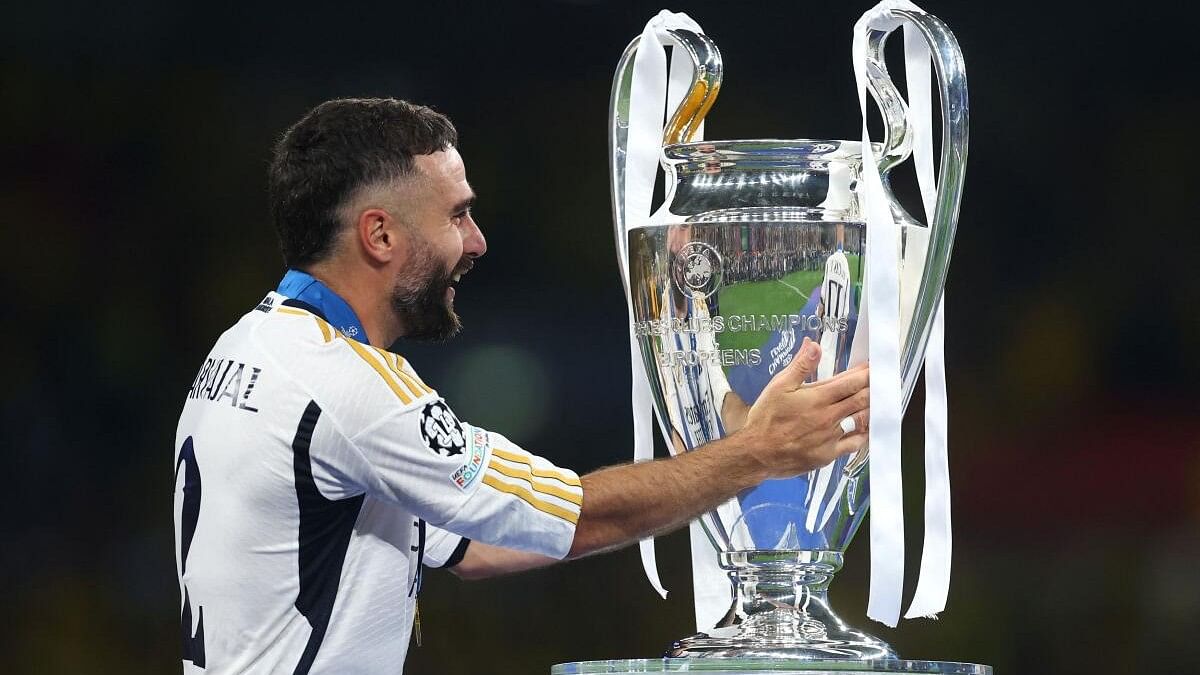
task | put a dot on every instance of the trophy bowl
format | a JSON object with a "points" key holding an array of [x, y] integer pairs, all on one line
{"points": [[760, 244]]}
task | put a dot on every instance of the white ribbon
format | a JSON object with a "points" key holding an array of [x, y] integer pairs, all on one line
{"points": [[883, 308], [933, 583], [883, 293], [652, 95]]}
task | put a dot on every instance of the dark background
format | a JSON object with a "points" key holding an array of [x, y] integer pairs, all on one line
{"points": [[135, 138]]}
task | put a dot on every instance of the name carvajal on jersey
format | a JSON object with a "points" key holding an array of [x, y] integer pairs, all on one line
{"points": [[220, 379]]}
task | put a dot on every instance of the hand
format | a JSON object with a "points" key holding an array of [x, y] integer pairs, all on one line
{"points": [[795, 427]]}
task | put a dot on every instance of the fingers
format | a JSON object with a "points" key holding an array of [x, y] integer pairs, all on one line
{"points": [[856, 402], [801, 367], [850, 443], [844, 384], [856, 423]]}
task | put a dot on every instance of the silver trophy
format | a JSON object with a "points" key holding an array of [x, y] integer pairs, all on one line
{"points": [[761, 243]]}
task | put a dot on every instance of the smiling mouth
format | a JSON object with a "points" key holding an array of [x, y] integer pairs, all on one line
{"points": [[454, 279], [458, 275]]}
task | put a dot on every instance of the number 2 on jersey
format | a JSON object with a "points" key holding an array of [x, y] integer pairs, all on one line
{"points": [[193, 645]]}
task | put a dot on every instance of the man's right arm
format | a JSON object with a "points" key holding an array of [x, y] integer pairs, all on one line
{"points": [[791, 429]]}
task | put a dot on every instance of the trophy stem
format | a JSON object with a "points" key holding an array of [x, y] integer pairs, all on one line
{"points": [[781, 610]]}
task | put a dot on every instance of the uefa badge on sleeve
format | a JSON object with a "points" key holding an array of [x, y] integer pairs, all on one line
{"points": [[464, 475]]}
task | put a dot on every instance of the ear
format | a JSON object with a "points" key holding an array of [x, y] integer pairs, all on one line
{"points": [[379, 236]]}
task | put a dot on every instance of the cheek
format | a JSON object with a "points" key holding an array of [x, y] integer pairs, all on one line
{"points": [[452, 247]]}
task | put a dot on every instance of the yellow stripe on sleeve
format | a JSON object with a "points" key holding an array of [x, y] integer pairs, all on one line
{"points": [[527, 497], [383, 372], [537, 487], [293, 311], [400, 365], [540, 473]]}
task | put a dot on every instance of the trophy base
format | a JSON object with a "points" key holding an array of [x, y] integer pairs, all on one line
{"points": [[781, 611], [833, 643], [763, 666]]}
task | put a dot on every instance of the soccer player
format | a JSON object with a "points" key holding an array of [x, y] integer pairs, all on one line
{"points": [[316, 473]]}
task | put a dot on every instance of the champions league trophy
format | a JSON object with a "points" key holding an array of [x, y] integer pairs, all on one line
{"points": [[759, 244]]}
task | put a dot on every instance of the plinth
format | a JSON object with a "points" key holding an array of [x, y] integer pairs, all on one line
{"points": [[732, 666]]}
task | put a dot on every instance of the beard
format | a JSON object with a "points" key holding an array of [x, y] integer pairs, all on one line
{"points": [[419, 298]]}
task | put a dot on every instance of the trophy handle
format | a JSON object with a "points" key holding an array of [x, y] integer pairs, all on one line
{"points": [[685, 121], [897, 146], [897, 139], [706, 82], [952, 90]]}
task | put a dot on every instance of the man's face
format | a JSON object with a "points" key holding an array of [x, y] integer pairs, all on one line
{"points": [[444, 240]]}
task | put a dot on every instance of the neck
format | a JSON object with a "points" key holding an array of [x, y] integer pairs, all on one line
{"points": [[362, 293]]}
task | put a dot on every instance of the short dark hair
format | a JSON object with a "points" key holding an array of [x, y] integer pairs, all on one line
{"points": [[337, 148]]}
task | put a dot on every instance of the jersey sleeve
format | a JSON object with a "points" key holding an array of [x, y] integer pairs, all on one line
{"points": [[392, 437], [471, 482], [442, 548]]}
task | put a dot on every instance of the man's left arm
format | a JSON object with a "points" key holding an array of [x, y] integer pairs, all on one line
{"points": [[471, 560], [481, 561]]}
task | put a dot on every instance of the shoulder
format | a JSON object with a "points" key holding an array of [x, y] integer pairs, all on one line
{"points": [[292, 323], [358, 383]]}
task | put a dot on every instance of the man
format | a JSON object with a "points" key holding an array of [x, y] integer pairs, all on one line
{"points": [[316, 472]]}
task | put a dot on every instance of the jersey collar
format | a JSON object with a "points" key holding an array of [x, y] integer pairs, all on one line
{"points": [[322, 301]]}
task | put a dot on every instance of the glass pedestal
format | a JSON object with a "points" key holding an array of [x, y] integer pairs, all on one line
{"points": [[738, 666]]}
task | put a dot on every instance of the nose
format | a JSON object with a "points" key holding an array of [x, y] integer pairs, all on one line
{"points": [[474, 243]]}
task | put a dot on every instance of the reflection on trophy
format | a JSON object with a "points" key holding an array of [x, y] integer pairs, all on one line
{"points": [[760, 244]]}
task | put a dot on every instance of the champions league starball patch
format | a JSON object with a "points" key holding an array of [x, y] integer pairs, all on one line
{"points": [[441, 430]]}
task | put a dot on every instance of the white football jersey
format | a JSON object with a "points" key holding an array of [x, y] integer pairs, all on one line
{"points": [[313, 476]]}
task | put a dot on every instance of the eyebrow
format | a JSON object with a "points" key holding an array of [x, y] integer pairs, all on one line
{"points": [[463, 205]]}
